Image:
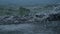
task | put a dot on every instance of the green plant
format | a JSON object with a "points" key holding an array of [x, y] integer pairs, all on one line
{"points": [[23, 11]]}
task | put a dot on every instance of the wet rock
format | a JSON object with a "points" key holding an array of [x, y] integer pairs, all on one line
{"points": [[14, 20], [40, 16], [54, 17], [8, 20], [30, 19]]}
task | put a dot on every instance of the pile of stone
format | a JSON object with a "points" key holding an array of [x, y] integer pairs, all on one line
{"points": [[29, 19], [14, 19]]}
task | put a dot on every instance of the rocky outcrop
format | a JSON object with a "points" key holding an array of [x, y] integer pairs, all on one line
{"points": [[54, 17], [30, 19], [50, 16], [14, 19]]}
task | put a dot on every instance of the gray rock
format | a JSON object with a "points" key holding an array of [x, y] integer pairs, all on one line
{"points": [[54, 17]]}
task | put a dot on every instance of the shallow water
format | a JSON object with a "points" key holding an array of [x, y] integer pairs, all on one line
{"points": [[52, 28]]}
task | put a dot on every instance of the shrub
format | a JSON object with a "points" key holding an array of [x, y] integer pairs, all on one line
{"points": [[23, 11]]}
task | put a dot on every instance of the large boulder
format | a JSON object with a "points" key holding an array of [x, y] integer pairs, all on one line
{"points": [[54, 17]]}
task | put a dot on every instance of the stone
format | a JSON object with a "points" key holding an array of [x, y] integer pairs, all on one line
{"points": [[54, 17]]}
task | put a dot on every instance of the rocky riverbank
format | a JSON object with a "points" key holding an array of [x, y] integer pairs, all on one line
{"points": [[45, 23], [38, 18]]}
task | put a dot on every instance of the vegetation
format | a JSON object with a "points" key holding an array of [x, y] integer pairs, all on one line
{"points": [[23, 11], [10, 11]]}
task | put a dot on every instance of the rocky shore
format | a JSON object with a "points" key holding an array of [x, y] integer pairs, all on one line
{"points": [[38, 18], [37, 24]]}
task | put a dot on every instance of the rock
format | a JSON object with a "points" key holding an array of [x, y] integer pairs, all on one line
{"points": [[40, 15], [30, 19], [54, 17], [13, 20]]}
